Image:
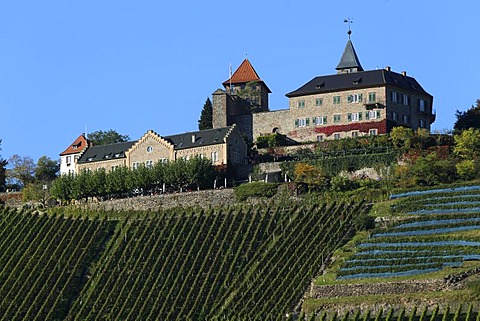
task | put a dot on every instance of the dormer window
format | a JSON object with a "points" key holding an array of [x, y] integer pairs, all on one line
{"points": [[321, 85], [357, 81]]}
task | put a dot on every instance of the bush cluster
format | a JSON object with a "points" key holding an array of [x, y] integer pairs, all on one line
{"points": [[255, 189]]}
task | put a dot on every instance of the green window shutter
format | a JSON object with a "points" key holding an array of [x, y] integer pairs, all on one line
{"points": [[314, 120], [307, 121], [378, 114], [349, 117], [360, 97], [349, 98], [367, 115], [360, 116], [324, 120], [296, 122]]}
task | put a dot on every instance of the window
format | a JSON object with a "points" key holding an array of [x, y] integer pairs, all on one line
{"points": [[373, 132], [214, 157], [149, 164], [69, 160], [320, 138], [372, 114], [319, 102], [372, 97], [163, 160], [149, 149], [355, 98], [135, 165], [336, 100], [405, 119], [422, 123], [301, 103], [336, 136], [394, 96], [302, 122], [337, 118], [114, 167], [406, 100], [355, 134], [321, 120], [394, 116], [354, 116], [421, 105]]}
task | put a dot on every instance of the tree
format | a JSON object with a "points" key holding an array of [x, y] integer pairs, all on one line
{"points": [[22, 171], [110, 136], [468, 119], [3, 170], [46, 170], [401, 137], [467, 144], [206, 117]]}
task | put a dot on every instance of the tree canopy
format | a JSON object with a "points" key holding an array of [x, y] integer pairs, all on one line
{"points": [[46, 169], [206, 117], [22, 171], [110, 136], [468, 119]]}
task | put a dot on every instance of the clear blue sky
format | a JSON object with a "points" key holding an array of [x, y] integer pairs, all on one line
{"points": [[139, 65]]}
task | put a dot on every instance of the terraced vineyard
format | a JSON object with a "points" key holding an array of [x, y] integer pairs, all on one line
{"points": [[237, 263], [439, 228]]}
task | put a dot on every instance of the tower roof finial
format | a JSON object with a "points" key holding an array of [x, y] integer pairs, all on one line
{"points": [[349, 21]]}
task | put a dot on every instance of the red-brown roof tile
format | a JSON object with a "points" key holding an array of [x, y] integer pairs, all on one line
{"points": [[244, 73], [77, 146]]}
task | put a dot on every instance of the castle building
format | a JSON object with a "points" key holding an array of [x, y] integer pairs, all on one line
{"points": [[351, 103], [223, 146], [70, 156]]}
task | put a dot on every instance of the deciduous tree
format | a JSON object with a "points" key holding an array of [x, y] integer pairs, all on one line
{"points": [[46, 169], [110, 136], [22, 171]]}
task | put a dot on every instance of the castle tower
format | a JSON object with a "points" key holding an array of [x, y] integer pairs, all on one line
{"points": [[349, 61]]}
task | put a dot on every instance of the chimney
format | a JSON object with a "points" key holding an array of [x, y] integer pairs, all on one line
{"points": [[194, 138], [387, 68], [404, 73]]}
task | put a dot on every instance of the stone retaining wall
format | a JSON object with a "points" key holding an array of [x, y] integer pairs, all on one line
{"points": [[401, 287], [203, 199]]}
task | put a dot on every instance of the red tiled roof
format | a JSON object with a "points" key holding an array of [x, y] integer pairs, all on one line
{"points": [[77, 146], [243, 74]]}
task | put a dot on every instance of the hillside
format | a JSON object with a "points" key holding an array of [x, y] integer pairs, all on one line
{"points": [[231, 263], [423, 256]]}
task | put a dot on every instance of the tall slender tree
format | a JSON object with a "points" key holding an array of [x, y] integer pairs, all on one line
{"points": [[468, 119], [3, 169], [206, 117]]}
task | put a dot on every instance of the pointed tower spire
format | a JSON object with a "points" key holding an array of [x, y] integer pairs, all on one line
{"points": [[349, 61]]}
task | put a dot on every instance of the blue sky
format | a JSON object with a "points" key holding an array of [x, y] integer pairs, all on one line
{"points": [[139, 65]]}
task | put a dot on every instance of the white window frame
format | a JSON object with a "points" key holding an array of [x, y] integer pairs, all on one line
{"points": [[214, 156], [372, 114], [319, 120], [354, 117], [320, 138], [149, 163], [318, 102], [394, 96], [301, 104], [337, 136], [373, 132], [355, 134], [135, 165], [421, 105]]}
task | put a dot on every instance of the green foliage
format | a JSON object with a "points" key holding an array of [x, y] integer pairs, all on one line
{"points": [[467, 144], [313, 176], [110, 136], [195, 172], [206, 116], [36, 191], [255, 189], [468, 119], [363, 222], [271, 140], [467, 169], [3, 170], [46, 169], [341, 183], [401, 137], [22, 171]]}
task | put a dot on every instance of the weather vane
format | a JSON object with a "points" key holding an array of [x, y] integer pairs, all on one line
{"points": [[349, 21]]}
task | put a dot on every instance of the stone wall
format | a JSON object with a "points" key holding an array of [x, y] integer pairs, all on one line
{"points": [[203, 199]]}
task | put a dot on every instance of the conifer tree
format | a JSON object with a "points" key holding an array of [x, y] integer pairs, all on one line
{"points": [[206, 117]]}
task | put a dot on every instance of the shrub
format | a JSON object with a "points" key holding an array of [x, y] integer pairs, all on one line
{"points": [[364, 222], [466, 169], [255, 189]]}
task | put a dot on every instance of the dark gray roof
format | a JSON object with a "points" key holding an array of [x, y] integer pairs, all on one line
{"points": [[362, 79], [349, 58], [198, 138], [105, 152]]}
